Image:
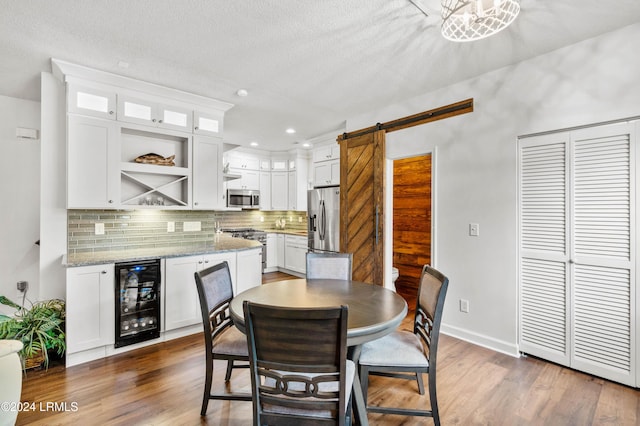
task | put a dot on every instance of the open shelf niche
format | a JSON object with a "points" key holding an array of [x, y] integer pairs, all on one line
{"points": [[153, 185]]}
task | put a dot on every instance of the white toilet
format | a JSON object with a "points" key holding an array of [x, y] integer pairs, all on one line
{"points": [[394, 276]]}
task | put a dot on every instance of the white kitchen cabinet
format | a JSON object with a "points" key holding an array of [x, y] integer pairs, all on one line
{"points": [[265, 163], [265, 190], [279, 164], [90, 307], [244, 161], [145, 118], [207, 173], [91, 101], [326, 153], [280, 250], [326, 173], [292, 193], [151, 113], [297, 184], [93, 160], [181, 301], [272, 253], [249, 273], [295, 253], [208, 123], [249, 179], [279, 190]]}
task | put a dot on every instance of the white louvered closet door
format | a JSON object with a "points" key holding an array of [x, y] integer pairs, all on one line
{"points": [[577, 250], [544, 241]]}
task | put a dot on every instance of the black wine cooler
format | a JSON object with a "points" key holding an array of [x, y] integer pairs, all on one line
{"points": [[137, 302]]}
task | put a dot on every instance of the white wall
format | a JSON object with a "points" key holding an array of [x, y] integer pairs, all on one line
{"points": [[476, 171], [20, 198], [53, 213]]}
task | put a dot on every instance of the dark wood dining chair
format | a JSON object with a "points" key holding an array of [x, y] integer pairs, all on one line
{"points": [[329, 265], [408, 355], [223, 341], [300, 374]]}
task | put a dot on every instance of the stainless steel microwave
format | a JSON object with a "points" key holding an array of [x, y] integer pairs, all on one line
{"points": [[243, 198]]}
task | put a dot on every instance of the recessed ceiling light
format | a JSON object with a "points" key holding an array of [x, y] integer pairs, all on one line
{"points": [[254, 143], [290, 131], [242, 93], [123, 64], [306, 144]]}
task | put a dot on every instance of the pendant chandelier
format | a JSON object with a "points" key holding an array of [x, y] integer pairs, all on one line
{"points": [[468, 20]]}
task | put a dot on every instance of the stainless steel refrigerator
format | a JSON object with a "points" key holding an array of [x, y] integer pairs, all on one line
{"points": [[324, 219]]}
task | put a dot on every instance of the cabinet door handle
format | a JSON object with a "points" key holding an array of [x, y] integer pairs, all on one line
{"points": [[110, 112], [153, 120], [103, 272], [195, 204], [159, 121], [110, 201], [206, 261], [195, 128], [200, 262]]}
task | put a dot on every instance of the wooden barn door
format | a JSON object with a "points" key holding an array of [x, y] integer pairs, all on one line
{"points": [[362, 204], [411, 219]]}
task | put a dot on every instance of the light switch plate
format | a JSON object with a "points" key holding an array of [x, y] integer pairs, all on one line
{"points": [[474, 229], [99, 228], [171, 227]]}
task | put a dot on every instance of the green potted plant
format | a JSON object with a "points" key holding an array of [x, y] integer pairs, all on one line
{"points": [[40, 328]]}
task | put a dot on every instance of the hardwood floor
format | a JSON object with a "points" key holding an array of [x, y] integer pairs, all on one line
{"points": [[162, 385]]}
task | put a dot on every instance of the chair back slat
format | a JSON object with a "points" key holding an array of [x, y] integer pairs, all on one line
{"points": [[329, 266], [430, 305], [215, 290], [298, 363]]}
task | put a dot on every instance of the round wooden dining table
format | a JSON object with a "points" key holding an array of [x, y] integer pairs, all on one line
{"points": [[374, 312]]}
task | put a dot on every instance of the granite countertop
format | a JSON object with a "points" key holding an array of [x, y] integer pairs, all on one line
{"points": [[220, 243], [285, 231]]}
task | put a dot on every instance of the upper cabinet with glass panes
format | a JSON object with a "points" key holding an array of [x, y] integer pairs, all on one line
{"points": [[155, 114], [91, 101], [127, 108]]}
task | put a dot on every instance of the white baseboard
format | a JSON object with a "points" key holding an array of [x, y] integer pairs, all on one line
{"points": [[507, 348]]}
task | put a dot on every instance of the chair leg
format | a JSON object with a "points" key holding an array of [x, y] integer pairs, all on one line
{"points": [[364, 382], [420, 383], [433, 398], [227, 376], [207, 387]]}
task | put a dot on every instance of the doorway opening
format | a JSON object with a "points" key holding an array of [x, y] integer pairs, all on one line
{"points": [[411, 221]]}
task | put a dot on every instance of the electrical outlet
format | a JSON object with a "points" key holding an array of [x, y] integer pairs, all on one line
{"points": [[171, 227], [474, 229], [99, 228], [464, 306], [299, 219]]}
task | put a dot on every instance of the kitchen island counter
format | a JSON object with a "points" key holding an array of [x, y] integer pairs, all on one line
{"points": [[220, 243]]}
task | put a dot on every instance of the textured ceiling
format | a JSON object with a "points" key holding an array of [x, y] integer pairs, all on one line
{"points": [[307, 64]]}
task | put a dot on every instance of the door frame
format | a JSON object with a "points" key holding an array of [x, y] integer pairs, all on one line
{"points": [[388, 225]]}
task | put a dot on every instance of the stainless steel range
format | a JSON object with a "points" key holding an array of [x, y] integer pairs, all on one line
{"points": [[251, 234]]}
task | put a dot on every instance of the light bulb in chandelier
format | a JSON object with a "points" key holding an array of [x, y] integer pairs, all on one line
{"points": [[468, 20]]}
